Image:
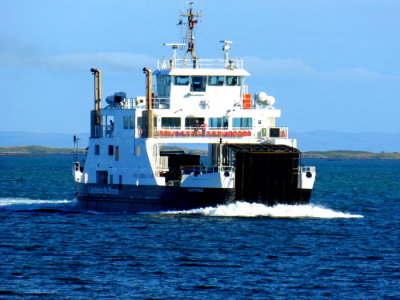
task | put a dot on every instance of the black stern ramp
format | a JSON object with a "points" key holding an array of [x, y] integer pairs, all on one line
{"points": [[268, 174]]}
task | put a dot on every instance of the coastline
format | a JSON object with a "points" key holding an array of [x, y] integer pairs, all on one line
{"points": [[329, 155]]}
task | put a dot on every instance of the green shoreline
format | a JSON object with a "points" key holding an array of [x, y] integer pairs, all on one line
{"points": [[36, 151], [333, 155]]}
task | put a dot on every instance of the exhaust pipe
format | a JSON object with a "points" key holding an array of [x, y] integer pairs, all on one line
{"points": [[149, 100], [95, 116]]}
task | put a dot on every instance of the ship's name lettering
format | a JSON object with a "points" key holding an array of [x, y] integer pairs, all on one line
{"points": [[196, 190], [102, 190]]}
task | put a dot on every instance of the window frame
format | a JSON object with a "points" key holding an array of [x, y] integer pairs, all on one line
{"points": [[191, 121], [129, 122], [110, 150], [181, 77], [244, 123], [222, 122], [218, 83], [199, 87], [171, 125], [229, 83]]}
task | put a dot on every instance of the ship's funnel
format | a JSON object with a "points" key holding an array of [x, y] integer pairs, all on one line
{"points": [[97, 88], [95, 117], [149, 101]]}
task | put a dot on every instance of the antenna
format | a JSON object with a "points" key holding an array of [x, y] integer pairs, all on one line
{"points": [[226, 49], [175, 52], [76, 148]]}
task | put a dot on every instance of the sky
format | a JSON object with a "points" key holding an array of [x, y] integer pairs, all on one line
{"points": [[331, 64]]}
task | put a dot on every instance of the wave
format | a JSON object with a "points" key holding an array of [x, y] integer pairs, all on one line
{"points": [[245, 209], [25, 204], [237, 209]]}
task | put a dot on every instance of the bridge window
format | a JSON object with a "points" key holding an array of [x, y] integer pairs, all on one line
{"points": [[242, 123], [216, 80], [181, 80], [232, 80], [198, 84], [97, 149], [218, 122], [171, 122], [128, 122], [164, 80]]}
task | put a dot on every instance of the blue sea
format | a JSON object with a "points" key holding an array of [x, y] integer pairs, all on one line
{"points": [[344, 245]]}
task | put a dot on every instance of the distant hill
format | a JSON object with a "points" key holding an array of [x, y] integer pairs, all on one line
{"points": [[36, 150], [58, 140], [340, 154], [321, 140], [318, 140]]}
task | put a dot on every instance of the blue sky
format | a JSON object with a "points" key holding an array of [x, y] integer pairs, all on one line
{"points": [[331, 64]]}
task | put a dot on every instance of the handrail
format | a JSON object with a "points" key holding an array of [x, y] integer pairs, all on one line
{"points": [[102, 131], [244, 132], [206, 169], [166, 63]]}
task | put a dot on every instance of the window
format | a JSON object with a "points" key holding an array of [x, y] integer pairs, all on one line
{"points": [[163, 85], [137, 150], [274, 132], [198, 84], [242, 123], [96, 149], [193, 122], [232, 80], [116, 153], [128, 122], [216, 80], [101, 177], [110, 149], [164, 80], [218, 122], [181, 80], [171, 122]]}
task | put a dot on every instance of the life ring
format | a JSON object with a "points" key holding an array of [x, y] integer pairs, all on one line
{"points": [[283, 133]]}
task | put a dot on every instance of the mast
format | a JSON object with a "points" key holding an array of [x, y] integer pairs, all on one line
{"points": [[188, 37]]}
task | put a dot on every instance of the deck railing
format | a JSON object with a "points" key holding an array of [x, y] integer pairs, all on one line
{"points": [[198, 133], [245, 132], [205, 170], [161, 103], [107, 131], [104, 131], [200, 63]]}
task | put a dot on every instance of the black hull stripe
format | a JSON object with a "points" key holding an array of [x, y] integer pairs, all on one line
{"points": [[131, 198]]}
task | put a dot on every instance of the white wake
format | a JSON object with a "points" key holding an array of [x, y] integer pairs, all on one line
{"points": [[25, 204], [245, 209]]}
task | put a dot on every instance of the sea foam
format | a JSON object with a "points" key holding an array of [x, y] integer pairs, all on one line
{"points": [[245, 209], [26, 204]]}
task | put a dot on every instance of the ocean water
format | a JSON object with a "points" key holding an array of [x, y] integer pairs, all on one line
{"points": [[344, 245]]}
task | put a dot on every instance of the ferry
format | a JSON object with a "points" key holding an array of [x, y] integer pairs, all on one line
{"points": [[189, 102]]}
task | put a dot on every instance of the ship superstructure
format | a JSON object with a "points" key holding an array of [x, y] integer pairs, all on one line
{"points": [[189, 101]]}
